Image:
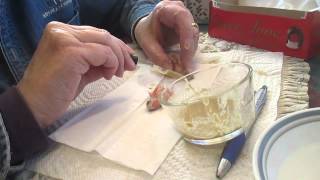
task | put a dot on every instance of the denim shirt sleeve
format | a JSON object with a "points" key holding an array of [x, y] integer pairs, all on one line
{"points": [[117, 16], [5, 154], [133, 11], [4, 150]]}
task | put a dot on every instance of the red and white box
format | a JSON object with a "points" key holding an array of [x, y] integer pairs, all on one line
{"points": [[294, 32]]}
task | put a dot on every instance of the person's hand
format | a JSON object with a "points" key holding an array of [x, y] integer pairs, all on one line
{"points": [[169, 23], [65, 61]]}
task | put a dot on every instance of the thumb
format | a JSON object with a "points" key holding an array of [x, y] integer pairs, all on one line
{"points": [[157, 54]]}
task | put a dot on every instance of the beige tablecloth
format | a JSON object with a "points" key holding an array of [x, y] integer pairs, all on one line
{"points": [[185, 161]]}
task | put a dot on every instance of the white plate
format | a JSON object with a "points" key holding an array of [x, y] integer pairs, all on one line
{"points": [[290, 148]]}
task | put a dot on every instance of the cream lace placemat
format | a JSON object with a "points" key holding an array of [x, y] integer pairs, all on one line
{"points": [[295, 74], [185, 161]]}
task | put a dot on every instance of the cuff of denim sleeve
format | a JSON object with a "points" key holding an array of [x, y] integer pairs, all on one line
{"points": [[133, 36], [25, 135], [143, 12]]}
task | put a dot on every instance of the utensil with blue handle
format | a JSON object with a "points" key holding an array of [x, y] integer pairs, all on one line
{"points": [[233, 148]]}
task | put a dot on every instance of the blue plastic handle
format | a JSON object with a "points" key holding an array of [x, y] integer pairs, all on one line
{"points": [[233, 148]]}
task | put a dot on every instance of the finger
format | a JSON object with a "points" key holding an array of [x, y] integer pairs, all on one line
{"points": [[190, 64], [116, 47], [128, 61], [99, 55], [181, 21], [128, 48], [126, 51], [157, 55], [96, 73], [196, 36], [93, 74], [92, 34], [89, 34], [101, 62]]}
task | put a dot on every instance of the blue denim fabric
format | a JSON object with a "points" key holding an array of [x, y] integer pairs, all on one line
{"points": [[5, 151], [117, 16], [21, 26], [22, 23]]}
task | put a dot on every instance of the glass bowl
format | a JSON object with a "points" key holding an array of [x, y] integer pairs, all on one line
{"points": [[211, 105]]}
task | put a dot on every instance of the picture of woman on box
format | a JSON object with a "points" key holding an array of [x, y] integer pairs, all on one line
{"points": [[295, 38]]}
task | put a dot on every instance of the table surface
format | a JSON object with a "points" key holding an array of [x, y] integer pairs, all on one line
{"points": [[314, 92]]}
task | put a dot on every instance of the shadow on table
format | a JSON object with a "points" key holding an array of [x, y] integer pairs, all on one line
{"points": [[314, 82]]}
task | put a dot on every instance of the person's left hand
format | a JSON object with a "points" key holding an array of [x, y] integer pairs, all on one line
{"points": [[168, 24]]}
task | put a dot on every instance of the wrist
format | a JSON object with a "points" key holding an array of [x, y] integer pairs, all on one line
{"points": [[34, 104], [26, 137], [136, 29]]}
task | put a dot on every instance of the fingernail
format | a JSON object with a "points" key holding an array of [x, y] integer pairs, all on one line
{"points": [[187, 45], [131, 65], [130, 49]]}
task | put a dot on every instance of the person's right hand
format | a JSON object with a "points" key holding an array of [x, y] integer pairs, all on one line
{"points": [[168, 24], [65, 61]]}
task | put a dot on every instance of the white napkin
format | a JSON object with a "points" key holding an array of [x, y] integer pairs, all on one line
{"points": [[185, 161], [121, 129]]}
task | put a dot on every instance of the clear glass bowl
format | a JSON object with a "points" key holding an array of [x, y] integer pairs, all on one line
{"points": [[211, 105]]}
